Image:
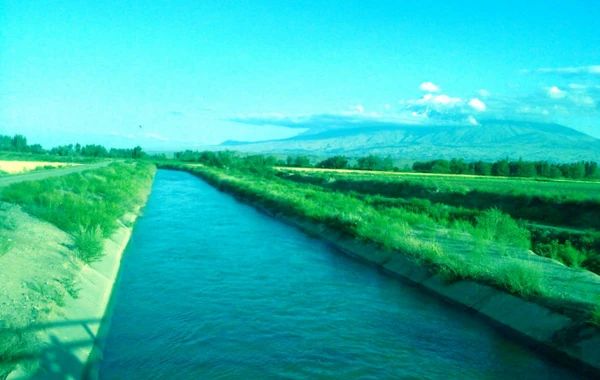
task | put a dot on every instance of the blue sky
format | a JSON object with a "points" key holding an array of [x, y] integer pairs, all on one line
{"points": [[193, 73]]}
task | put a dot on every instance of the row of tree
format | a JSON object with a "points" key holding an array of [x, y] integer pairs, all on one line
{"points": [[505, 167], [18, 143]]}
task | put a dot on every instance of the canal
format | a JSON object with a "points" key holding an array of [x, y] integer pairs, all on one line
{"points": [[212, 289]]}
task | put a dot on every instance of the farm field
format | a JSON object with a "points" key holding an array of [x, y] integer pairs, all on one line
{"points": [[560, 216], [15, 167]]}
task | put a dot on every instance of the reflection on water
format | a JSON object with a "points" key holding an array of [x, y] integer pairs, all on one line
{"points": [[212, 289]]}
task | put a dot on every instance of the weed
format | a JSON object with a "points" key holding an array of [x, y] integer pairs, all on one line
{"points": [[523, 279], [595, 318], [89, 244], [6, 245], [70, 287]]}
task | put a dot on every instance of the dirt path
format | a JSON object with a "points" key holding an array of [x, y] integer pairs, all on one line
{"points": [[35, 176]]}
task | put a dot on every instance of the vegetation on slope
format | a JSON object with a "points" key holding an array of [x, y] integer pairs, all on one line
{"points": [[88, 206]]}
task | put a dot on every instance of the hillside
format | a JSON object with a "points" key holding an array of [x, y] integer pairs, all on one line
{"points": [[491, 140]]}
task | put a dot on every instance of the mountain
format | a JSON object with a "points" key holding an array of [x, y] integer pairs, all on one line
{"points": [[492, 139]]}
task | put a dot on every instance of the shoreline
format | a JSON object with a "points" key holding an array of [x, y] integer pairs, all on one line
{"points": [[552, 334]]}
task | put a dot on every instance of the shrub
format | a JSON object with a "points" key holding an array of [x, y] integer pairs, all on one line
{"points": [[89, 243], [564, 253], [495, 225]]}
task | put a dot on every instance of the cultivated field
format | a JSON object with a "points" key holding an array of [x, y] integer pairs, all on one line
{"points": [[14, 167]]}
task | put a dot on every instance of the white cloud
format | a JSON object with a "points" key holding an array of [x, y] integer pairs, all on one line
{"points": [[556, 93], [484, 93], [477, 104], [592, 70], [429, 86], [358, 108], [156, 137], [472, 120]]}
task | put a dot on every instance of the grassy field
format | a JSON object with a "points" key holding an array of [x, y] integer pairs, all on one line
{"points": [[561, 216], [49, 230], [486, 245]]}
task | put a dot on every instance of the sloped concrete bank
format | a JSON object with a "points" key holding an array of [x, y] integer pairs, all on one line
{"points": [[72, 341], [571, 341]]}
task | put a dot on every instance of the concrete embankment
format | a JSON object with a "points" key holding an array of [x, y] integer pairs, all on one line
{"points": [[547, 330], [72, 338]]}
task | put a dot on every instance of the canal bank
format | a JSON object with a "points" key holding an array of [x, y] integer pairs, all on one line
{"points": [[68, 340], [216, 289], [547, 330]]}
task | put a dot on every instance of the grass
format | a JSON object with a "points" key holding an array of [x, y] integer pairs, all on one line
{"points": [[5, 245], [595, 318], [70, 286], [13, 345], [87, 205]]}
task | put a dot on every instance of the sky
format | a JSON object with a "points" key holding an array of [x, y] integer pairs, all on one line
{"points": [[184, 74]]}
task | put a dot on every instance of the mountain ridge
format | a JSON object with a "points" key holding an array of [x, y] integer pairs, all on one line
{"points": [[492, 139]]}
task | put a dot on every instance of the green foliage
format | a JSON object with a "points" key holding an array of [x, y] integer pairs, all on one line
{"points": [[521, 278], [15, 343], [88, 204], [335, 162], [564, 253], [89, 243], [595, 317], [495, 225], [5, 245]]}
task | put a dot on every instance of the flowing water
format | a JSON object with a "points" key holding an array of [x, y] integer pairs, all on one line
{"points": [[212, 289]]}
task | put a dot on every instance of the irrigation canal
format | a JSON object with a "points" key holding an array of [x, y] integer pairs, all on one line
{"points": [[212, 289]]}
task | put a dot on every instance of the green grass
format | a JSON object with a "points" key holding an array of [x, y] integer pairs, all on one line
{"points": [[87, 205], [595, 318], [13, 345], [5, 245]]}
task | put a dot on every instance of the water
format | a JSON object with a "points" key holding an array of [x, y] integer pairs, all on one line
{"points": [[213, 289]]}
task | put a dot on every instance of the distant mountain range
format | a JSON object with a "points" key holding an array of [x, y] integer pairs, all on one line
{"points": [[490, 140]]}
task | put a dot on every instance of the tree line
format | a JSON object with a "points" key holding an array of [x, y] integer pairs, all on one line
{"points": [[504, 167], [18, 143], [508, 168]]}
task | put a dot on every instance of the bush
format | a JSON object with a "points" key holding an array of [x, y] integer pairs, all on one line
{"points": [[89, 243], [495, 225], [564, 253]]}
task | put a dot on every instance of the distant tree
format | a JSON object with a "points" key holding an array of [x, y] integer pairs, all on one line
{"points": [[525, 169], [555, 172], [335, 162], [302, 162], [501, 168], [19, 143], [458, 166], [387, 164], [137, 152], [370, 162], [591, 170], [482, 168], [36, 148]]}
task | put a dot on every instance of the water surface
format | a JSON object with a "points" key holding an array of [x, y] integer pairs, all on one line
{"points": [[212, 289]]}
